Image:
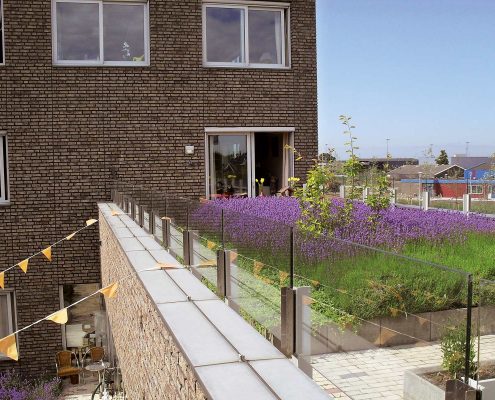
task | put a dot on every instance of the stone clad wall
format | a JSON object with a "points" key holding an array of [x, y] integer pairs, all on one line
{"points": [[152, 365]]}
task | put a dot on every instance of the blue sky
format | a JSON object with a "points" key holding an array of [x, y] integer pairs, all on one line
{"points": [[419, 72]]}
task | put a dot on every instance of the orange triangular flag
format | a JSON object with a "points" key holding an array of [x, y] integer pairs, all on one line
{"points": [[48, 253], [308, 300], [2, 280], [110, 290], [167, 266], [60, 317], [8, 346], [258, 266], [282, 276], [70, 236], [24, 265], [208, 263], [91, 222]]}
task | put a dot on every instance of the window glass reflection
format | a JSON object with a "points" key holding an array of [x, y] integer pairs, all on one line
{"points": [[224, 34], [265, 41], [78, 31], [123, 32]]}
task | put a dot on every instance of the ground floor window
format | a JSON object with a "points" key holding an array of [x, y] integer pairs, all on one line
{"points": [[247, 164], [86, 326], [7, 314], [476, 189]]}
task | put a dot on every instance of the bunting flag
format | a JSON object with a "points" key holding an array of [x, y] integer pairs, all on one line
{"points": [[258, 266], [8, 346], [207, 263], [90, 222], [166, 266], [308, 300], [47, 253], [282, 276], [24, 265], [60, 317], [211, 245], [109, 291], [2, 280], [70, 236], [233, 256]]}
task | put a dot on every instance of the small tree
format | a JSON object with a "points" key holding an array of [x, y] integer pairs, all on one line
{"points": [[453, 345], [443, 158]]}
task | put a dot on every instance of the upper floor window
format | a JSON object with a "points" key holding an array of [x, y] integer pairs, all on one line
{"points": [[4, 171], [1, 33], [95, 32], [245, 35]]}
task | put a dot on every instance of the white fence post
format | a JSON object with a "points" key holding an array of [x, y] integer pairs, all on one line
{"points": [[466, 203], [342, 191]]}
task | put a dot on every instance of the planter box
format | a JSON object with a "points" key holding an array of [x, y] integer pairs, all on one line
{"points": [[418, 388]]}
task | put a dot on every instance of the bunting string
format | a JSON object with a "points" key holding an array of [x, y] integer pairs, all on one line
{"points": [[47, 252], [8, 344]]}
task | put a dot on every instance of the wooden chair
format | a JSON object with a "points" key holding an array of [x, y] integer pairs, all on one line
{"points": [[65, 366]]}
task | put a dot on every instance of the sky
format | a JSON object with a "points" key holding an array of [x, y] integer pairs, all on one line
{"points": [[418, 72]]}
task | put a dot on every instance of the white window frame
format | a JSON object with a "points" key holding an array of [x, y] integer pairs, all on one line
{"points": [[2, 33], [102, 61], [471, 186], [4, 169], [284, 10], [249, 132], [11, 313]]}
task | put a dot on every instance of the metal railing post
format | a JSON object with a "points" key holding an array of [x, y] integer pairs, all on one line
{"points": [[221, 264], [133, 209], [467, 366], [151, 221], [166, 221], [188, 244], [291, 257], [141, 216], [302, 329], [288, 322]]}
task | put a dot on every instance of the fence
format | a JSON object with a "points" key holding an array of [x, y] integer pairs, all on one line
{"points": [[333, 304]]}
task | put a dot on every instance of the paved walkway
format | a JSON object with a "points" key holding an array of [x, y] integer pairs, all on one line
{"points": [[82, 391], [379, 374]]}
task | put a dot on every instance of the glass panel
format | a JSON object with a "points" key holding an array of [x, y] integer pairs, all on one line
{"points": [[86, 326], [123, 32], [225, 34], [265, 37], [4, 316], [228, 165], [78, 35]]}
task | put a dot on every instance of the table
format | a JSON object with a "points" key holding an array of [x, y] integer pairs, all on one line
{"points": [[99, 367]]}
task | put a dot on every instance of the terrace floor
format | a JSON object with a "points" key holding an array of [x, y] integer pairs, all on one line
{"points": [[379, 374], [82, 391]]}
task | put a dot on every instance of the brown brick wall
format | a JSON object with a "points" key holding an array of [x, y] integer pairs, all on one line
{"points": [[72, 129]]}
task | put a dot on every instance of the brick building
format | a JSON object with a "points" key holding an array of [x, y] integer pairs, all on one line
{"points": [[193, 97]]}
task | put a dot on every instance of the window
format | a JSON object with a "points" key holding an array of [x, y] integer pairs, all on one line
{"points": [[1, 34], [7, 314], [476, 189], [93, 32], [245, 36], [4, 171]]}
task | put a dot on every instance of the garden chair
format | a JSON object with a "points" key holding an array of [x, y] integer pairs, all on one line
{"points": [[65, 366], [92, 355]]}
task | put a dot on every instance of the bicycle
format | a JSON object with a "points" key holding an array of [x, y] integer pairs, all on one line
{"points": [[111, 386]]}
